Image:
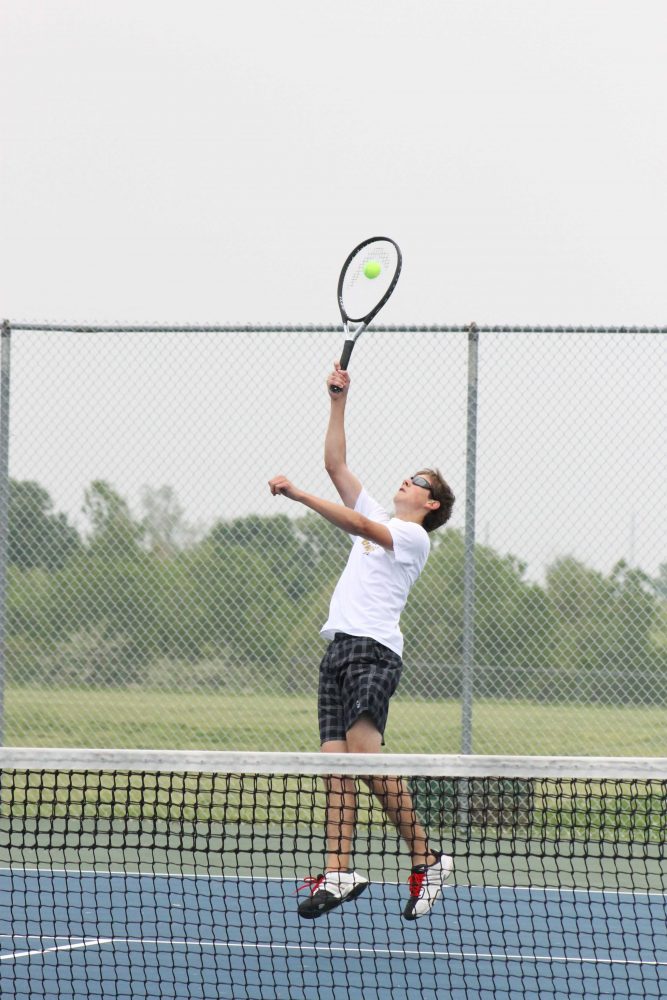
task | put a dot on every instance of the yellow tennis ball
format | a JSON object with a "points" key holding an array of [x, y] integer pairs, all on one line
{"points": [[372, 269]]}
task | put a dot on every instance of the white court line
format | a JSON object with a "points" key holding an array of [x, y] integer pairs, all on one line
{"points": [[70, 946], [42, 937], [297, 878], [125, 873], [348, 950]]}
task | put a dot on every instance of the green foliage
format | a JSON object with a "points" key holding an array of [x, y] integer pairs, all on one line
{"points": [[142, 602], [607, 626], [295, 552], [114, 533], [513, 624], [241, 609], [37, 535]]}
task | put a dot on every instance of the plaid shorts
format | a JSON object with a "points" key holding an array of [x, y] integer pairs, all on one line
{"points": [[358, 676]]}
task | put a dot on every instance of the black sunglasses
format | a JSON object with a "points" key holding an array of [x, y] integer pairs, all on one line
{"points": [[424, 483]]}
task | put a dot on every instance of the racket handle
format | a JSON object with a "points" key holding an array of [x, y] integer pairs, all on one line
{"points": [[345, 356], [344, 361]]}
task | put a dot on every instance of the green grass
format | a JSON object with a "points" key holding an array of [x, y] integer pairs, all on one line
{"points": [[40, 716], [248, 813]]}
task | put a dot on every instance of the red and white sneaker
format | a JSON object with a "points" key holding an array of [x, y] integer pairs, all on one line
{"points": [[330, 890], [426, 882]]}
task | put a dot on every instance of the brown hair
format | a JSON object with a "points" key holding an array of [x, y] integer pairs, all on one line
{"points": [[442, 492]]}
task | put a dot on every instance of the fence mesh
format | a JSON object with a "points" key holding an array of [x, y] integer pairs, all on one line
{"points": [[159, 596]]}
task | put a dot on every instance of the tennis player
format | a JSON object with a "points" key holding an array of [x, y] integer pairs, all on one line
{"points": [[362, 665]]}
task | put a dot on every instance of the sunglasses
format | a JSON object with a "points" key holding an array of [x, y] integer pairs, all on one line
{"points": [[420, 481]]}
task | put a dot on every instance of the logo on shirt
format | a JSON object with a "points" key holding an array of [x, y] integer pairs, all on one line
{"points": [[368, 547]]}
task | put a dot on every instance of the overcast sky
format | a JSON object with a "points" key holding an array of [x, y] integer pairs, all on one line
{"points": [[214, 162]]}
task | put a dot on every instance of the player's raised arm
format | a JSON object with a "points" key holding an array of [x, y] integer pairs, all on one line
{"points": [[335, 452], [349, 520]]}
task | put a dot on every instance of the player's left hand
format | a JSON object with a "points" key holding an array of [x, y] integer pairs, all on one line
{"points": [[281, 486]]}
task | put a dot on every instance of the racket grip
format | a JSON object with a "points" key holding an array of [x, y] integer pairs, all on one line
{"points": [[344, 361], [345, 356]]}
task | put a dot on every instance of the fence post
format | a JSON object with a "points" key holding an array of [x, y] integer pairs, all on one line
{"points": [[5, 351], [469, 543]]}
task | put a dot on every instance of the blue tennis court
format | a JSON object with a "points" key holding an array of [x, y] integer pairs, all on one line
{"points": [[147, 935]]}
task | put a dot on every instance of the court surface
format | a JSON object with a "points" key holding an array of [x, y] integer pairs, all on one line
{"points": [[103, 934]]}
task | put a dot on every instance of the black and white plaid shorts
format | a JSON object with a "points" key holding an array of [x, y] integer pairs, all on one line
{"points": [[358, 676]]}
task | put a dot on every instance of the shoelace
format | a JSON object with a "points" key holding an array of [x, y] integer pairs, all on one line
{"points": [[312, 882], [416, 882]]}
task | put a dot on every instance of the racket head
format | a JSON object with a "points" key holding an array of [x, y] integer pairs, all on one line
{"points": [[360, 298]]}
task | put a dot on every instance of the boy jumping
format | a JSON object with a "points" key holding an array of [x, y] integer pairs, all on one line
{"points": [[362, 665]]}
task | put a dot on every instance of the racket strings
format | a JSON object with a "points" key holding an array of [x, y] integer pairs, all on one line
{"points": [[377, 253], [360, 293]]}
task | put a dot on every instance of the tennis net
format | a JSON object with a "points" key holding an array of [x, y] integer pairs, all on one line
{"points": [[177, 875]]}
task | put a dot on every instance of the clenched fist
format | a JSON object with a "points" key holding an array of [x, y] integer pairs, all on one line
{"points": [[281, 486], [340, 379]]}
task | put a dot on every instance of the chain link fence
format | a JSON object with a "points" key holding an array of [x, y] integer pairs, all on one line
{"points": [[153, 593]]}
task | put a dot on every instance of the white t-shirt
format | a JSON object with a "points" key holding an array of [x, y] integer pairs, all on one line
{"points": [[375, 583]]}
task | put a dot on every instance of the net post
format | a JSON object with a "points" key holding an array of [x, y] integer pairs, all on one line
{"points": [[469, 542], [5, 354]]}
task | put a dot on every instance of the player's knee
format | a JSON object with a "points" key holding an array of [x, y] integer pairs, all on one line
{"points": [[363, 736]]}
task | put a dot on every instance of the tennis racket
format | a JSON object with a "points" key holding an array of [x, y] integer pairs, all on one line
{"points": [[367, 279]]}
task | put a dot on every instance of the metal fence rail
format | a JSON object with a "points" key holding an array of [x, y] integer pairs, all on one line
{"points": [[152, 593]]}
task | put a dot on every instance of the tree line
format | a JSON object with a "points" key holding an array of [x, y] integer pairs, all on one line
{"points": [[148, 600]]}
